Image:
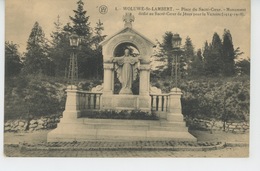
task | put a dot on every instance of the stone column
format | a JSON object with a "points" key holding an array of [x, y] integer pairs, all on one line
{"points": [[175, 111], [144, 84], [71, 111], [108, 86]]}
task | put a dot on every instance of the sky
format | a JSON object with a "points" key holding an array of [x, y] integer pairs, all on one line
{"points": [[20, 15]]}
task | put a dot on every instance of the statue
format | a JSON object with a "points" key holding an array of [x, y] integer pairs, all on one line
{"points": [[126, 68]]}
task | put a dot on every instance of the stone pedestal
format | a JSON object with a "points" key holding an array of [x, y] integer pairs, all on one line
{"points": [[72, 103], [175, 110], [144, 79], [126, 102], [108, 86]]}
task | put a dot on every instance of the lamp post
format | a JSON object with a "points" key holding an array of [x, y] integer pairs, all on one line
{"points": [[176, 43], [73, 64]]}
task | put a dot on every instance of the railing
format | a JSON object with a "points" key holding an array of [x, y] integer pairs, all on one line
{"points": [[159, 102], [88, 100]]}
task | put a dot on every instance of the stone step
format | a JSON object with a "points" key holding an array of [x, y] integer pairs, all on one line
{"points": [[119, 121], [123, 126], [172, 124], [86, 129], [170, 128], [115, 134], [175, 117]]}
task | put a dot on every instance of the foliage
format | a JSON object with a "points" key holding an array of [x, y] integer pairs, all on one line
{"points": [[214, 98], [13, 63], [81, 26], [196, 66], [188, 53], [243, 67], [36, 57], [33, 95], [124, 114], [213, 57], [166, 55], [228, 54]]}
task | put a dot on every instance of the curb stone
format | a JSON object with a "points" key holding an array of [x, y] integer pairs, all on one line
{"points": [[77, 147]]}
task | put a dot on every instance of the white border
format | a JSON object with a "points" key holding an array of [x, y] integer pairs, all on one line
{"points": [[162, 164]]}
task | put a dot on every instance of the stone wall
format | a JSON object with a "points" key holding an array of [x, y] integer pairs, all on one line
{"points": [[21, 125], [235, 127]]}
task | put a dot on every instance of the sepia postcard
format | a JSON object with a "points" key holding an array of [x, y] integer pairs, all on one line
{"points": [[127, 78]]}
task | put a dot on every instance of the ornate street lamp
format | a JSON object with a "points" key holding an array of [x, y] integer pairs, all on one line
{"points": [[73, 64], [176, 45], [74, 40]]}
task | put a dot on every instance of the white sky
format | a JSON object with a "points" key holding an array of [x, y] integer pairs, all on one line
{"points": [[22, 14]]}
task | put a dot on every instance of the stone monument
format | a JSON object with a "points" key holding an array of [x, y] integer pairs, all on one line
{"points": [[126, 56], [126, 66]]}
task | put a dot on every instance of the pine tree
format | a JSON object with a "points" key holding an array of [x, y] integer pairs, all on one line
{"points": [[188, 53], [228, 54], [81, 26], [98, 37], [60, 50], [167, 51], [36, 57], [97, 59], [13, 62], [56, 35]]}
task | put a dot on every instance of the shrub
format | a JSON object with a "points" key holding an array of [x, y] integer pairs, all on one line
{"points": [[219, 98], [123, 114], [27, 96]]}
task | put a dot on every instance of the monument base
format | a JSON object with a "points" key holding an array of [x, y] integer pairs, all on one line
{"points": [[85, 129], [126, 102]]}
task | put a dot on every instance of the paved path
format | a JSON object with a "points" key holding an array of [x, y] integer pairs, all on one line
{"points": [[12, 151]]}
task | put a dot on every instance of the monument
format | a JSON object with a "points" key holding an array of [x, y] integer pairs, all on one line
{"points": [[126, 57]]}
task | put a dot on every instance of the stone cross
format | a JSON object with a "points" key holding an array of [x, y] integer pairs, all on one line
{"points": [[128, 18]]}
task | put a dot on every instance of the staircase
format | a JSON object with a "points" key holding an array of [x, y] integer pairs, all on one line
{"points": [[85, 129]]}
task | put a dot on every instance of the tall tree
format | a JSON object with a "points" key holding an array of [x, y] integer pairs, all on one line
{"points": [[167, 50], [97, 58], [80, 21], [98, 37], [81, 26], [60, 50], [188, 53], [13, 62], [36, 57], [213, 58], [228, 54], [197, 68]]}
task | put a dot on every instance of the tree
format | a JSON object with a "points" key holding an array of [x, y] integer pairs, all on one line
{"points": [[97, 55], [196, 67], [166, 53], [13, 64], [98, 37], [188, 53], [213, 56], [36, 57], [81, 26], [228, 54], [85, 52], [60, 49], [188, 50], [243, 67]]}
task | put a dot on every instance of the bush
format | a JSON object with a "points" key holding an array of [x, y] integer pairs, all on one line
{"points": [[29, 96], [219, 98], [124, 114]]}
